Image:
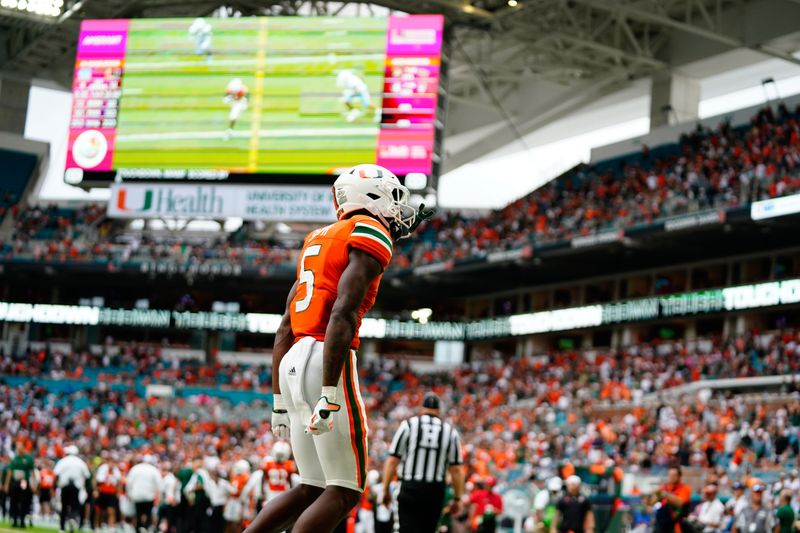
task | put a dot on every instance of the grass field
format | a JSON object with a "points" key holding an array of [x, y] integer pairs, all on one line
{"points": [[5, 527], [172, 113]]}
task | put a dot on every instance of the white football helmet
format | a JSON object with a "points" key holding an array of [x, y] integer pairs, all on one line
{"points": [[235, 85], [281, 451], [242, 466], [376, 190]]}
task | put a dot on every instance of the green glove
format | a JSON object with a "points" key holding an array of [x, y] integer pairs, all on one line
{"points": [[422, 216]]}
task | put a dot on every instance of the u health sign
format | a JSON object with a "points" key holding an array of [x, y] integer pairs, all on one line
{"points": [[261, 202]]}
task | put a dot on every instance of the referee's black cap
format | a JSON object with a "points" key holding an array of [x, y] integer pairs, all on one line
{"points": [[431, 401]]}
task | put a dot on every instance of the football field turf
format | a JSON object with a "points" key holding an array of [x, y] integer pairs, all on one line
{"points": [[172, 113], [5, 527]]}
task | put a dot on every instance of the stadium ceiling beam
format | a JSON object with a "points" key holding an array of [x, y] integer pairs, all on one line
{"points": [[464, 10], [611, 50], [573, 53], [534, 117], [474, 102], [667, 21]]}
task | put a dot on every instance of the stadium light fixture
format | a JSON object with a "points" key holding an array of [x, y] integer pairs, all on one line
{"points": [[46, 8]]}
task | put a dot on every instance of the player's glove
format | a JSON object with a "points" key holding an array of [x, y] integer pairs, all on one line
{"points": [[422, 216], [280, 417], [321, 420]]}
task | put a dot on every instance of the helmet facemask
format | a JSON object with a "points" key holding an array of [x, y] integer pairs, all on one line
{"points": [[393, 209]]}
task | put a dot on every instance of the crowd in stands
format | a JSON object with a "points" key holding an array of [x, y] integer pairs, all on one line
{"points": [[719, 168], [532, 412], [51, 233], [129, 362], [519, 409], [596, 411], [627, 373], [709, 168]]}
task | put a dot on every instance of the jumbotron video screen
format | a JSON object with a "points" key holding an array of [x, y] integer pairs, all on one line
{"points": [[253, 98]]}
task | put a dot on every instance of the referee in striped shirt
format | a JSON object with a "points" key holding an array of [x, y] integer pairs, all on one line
{"points": [[425, 448]]}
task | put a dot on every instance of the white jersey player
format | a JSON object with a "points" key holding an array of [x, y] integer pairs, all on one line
{"points": [[355, 95], [236, 98], [200, 30]]}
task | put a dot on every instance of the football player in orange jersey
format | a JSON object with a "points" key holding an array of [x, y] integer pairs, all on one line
{"points": [[278, 470], [236, 97], [47, 483], [317, 400]]}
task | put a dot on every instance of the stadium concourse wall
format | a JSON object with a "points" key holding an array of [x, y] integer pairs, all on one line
{"points": [[733, 299], [22, 162]]}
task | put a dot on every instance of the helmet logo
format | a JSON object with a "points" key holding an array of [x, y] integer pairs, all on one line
{"points": [[341, 197], [362, 173]]}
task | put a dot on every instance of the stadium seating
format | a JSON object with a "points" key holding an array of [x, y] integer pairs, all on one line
{"points": [[708, 169], [516, 414]]}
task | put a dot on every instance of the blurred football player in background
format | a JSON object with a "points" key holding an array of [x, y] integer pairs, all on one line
{"points": [[107, 483], [355, 96], [200, 30], [279, 470], [236, 97]]}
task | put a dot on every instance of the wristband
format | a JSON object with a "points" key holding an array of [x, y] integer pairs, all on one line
{"points": [[329, 393], [278, 403]]}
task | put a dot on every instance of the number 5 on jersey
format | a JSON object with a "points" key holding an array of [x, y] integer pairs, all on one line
{"points": [[306, 278]]}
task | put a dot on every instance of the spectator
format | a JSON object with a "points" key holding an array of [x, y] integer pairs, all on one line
{"points": [[544, 505], [143, 487], [219, 490], [674, 498], [755, 517], [738, 501], [709, 515], [785, 513], [574, 511], [198, 490], [107, 483], [170, 499], [71, 477], [19, 484], [486, 505]]}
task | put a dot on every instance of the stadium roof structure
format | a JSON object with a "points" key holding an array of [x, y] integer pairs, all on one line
{"points": [[515, 65]]}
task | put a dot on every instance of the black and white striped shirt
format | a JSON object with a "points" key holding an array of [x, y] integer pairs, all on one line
{"points": [[426, 447]]}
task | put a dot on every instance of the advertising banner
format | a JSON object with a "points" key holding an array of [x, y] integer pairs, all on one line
{"points": [[775, 207], [261, 202]]}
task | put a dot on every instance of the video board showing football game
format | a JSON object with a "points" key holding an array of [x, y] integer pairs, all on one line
{"points": [[249, 100]]}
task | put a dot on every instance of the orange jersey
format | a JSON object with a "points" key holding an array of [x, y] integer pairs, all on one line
{"points": [[47, 479], [238, 482], [279, 475], [237, 94], [324, 257]]}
